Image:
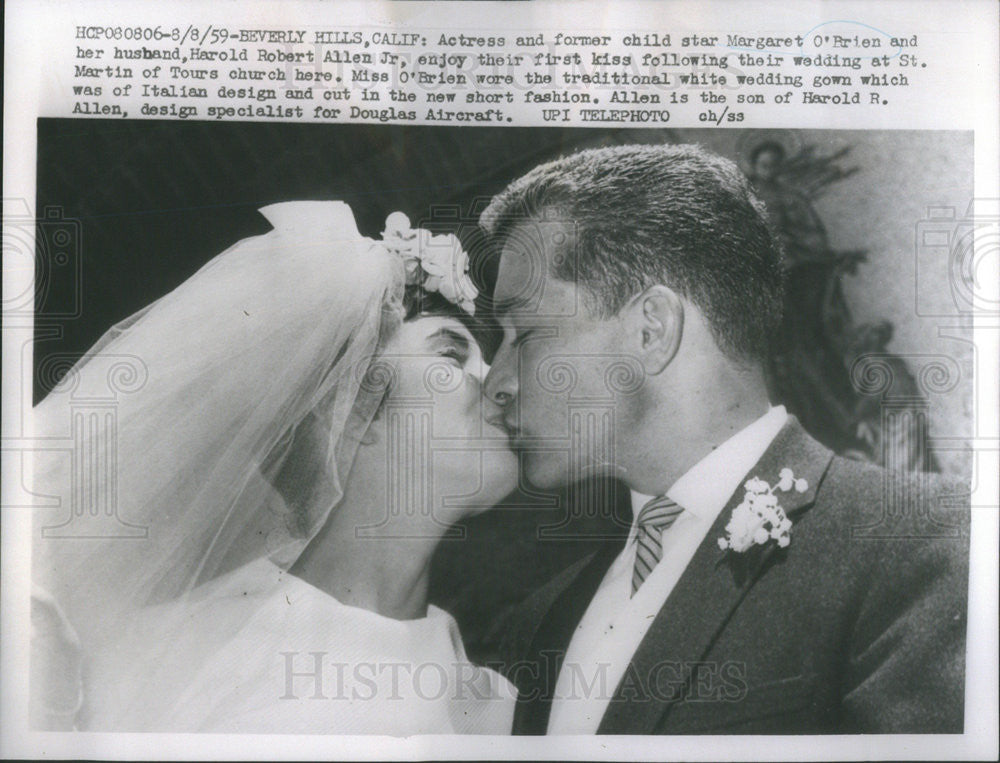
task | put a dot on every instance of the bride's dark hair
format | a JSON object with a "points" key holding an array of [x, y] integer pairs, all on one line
{"points": [[418, 303]]}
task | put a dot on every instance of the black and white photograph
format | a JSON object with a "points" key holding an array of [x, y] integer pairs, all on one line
{"points": [[412, 430], [662, 433]]}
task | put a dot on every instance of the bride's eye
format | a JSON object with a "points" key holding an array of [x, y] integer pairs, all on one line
{"points": [[454, 354], [452, 345], [457, 354]]}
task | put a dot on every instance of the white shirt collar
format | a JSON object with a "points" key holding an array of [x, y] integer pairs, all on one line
{"points": [[705, 488]]}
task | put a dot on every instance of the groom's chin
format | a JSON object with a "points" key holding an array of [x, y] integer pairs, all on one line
{"points": [[544, 471]]}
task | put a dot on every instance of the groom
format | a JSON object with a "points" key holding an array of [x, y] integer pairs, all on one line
{"points": [[767, 586]]}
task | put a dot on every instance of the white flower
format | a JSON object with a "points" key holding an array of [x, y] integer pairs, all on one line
{"points": [[404, 242], [438, 254], [786, 478], [765, 501], [397, 224], [759, 519], [436, 263], [447, 268], [742, 528]]}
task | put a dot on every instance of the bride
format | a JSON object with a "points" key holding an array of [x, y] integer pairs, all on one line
{"points": [[246, 529]]}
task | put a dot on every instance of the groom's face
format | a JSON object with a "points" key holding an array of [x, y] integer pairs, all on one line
{"points": [[554, 373]]}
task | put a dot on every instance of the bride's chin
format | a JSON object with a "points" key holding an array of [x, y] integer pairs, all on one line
{"points": [[485, 483]]}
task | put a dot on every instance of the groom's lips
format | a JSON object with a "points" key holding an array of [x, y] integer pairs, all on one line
{"points": [[500, 428]]}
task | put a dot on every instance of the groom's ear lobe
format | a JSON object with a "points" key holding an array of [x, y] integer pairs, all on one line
{"points": [[656, 324]]}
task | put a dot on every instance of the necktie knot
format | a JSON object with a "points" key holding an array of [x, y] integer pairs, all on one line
{"points": [[658, 513]]}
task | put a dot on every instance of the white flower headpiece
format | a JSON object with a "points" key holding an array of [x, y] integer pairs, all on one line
{"points": [[435, 263], [759, 519]]}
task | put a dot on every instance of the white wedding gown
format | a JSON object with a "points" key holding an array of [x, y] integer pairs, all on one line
{"points": [[261, 651], [164, 602]]}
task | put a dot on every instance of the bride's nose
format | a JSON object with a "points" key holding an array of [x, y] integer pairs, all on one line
{"points": [[478, 370]]}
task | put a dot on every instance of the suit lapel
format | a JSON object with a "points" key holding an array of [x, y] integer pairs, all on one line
{"points": [[707, 594], [552, 637]]}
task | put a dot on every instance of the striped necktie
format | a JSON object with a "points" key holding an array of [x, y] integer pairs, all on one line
{"points": [[654, 519]]}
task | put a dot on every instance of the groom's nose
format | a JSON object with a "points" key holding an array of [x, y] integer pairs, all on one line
{"points": [[501, 382]]}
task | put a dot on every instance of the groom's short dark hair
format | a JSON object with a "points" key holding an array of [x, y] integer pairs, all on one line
{"points": [[670, 214]]}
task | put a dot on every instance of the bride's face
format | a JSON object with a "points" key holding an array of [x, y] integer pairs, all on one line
{"points": [[438, 424]]}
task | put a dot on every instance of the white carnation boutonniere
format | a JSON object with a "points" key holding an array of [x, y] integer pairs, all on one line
{"points": [[435, 263], [759, 519]]}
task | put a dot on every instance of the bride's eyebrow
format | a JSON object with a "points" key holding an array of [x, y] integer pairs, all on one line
{"points": [[451, 335]]}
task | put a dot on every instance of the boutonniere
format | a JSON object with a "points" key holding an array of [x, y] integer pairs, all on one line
{"points": [[759, 518]]}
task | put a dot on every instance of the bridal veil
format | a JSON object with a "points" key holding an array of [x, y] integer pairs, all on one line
{"points": [[210, 430]]}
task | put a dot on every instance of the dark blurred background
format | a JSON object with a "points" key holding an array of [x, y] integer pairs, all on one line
{"points": [[156, 199]]}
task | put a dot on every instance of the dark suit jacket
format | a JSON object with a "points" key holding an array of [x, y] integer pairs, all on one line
{"points": [[857, 626]]}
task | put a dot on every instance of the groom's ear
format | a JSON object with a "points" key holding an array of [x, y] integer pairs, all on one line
{"points": [[655, 324]]}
